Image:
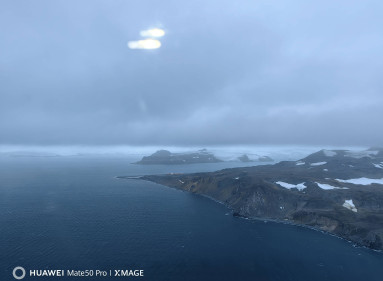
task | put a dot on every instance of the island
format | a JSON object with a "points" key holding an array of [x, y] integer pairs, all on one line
{"points": [[244, 158], [336, 191], [165, 157]]}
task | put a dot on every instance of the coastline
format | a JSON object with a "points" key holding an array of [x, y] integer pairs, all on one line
{"points": [[260, 219]]}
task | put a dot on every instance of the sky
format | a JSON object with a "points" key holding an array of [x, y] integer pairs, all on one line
{"points": [[226, 72]]}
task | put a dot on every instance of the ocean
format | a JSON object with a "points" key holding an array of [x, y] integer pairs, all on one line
{"points": [[72, 213]]}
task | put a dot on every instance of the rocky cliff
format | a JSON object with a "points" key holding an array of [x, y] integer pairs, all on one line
{"points": [[337, 191]]}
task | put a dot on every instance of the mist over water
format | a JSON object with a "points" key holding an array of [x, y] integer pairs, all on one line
{"points": [[226, 153]]}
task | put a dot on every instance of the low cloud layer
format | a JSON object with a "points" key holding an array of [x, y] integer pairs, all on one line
{"points": [[265, 72]]}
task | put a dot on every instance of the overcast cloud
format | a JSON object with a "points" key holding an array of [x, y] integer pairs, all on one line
{"points": [[227, 72]]}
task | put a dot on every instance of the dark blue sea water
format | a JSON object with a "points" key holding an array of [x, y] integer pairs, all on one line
{"points": [[72, 213]]}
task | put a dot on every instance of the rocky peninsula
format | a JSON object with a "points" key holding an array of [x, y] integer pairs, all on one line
{"points": [[337, 191]]}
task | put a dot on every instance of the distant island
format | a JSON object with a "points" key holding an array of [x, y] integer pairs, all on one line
{"points": [[165, 157], [244, 158], [337, 191]]}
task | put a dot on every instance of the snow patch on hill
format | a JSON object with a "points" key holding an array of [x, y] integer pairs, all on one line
{"points": [[299, 186], [325, 186], [329, 153], [318, 163], [362, 181], [350, 205]]}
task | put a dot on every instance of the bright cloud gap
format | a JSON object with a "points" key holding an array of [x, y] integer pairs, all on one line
{"points": [[147, 44], [154, 32]]}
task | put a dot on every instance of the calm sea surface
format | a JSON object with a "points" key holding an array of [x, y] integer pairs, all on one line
{"points": [[72, 213]]}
